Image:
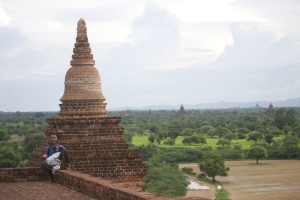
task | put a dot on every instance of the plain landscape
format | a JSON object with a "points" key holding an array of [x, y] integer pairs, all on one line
{"points": [[271, 179]]}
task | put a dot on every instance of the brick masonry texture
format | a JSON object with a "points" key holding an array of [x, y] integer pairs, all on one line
{"points": [[93, 139], [104, 189], [22, 174]]}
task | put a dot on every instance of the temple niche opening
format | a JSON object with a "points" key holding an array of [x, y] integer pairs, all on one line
{"points": [[93, 139]]}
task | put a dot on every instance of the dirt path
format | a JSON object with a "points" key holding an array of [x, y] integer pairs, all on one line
{"points": [[210, 194]]}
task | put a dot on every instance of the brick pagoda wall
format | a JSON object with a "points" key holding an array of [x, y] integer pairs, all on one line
{"points": [[96, 147]]}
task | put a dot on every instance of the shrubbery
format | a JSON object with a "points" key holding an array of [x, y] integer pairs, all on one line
{"points": [[164, 180]]}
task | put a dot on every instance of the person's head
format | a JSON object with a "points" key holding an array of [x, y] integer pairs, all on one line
{"points": [[53, 138]]}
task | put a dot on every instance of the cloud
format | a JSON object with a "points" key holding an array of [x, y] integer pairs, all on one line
{"points": [[11, 38], [4, 17], [154, 39], [21, 60], [283, 16], [256, 49], [258, 65]]}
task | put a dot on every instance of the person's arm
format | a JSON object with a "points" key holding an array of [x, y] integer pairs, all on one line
{"points": [[45, 155], [61, 147]]}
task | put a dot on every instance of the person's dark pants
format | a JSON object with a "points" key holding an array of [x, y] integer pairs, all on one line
{"points": [[64, 157]]}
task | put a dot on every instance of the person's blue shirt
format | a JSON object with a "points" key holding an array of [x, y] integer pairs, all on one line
{"points": [[50, 150]]}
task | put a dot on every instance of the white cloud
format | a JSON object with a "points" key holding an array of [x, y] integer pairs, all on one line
{"points": [[257, 49], [282, 16], [154, 39], [4, 17]]}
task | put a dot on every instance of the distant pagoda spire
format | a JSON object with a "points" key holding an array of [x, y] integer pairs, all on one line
{"points": [[271, 111], [181, 112]]}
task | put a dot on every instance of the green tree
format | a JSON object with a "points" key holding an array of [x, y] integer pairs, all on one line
{"points": [[257, 152], [243, 130], [224, 142], [186, 140], [214, 165], [158, 140], [230, 136], [169, 141], [127, 136], [32, 141], [290, 118], [148, 151], [290, 146], [240, 135], [255, 136], [173, 133], [188, 131], [154, 128], [269, 138], [9, 156], [279, 118], [151, 138], [205, 129], [296, 131], [3, 135], [198, 139], [222, 131]]}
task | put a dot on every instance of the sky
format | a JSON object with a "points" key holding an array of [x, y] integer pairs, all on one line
{"points": [[162, 52]]}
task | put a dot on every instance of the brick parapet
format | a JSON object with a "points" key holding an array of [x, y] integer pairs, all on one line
{"points": [[89, 185], [22, 174], [105, 189]]}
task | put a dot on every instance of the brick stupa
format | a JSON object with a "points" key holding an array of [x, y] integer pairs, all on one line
{"points": [[92, 138]]}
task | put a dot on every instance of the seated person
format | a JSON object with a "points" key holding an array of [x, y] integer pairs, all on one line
{"points": [[56, 157]]}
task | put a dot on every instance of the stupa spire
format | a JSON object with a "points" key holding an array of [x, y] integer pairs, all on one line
{"points": [[82, 50]]}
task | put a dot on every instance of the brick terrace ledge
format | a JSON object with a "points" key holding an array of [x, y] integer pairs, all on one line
{"points": [[94, 187]]}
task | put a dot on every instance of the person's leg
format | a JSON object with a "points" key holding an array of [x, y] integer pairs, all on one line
{"points": [[64, 157], [48, 170]]}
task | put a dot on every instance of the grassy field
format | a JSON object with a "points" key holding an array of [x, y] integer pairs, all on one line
{"points": [[139, 140]]}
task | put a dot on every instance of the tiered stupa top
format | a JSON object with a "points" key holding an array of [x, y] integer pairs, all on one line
{"points": [[82, 81]]}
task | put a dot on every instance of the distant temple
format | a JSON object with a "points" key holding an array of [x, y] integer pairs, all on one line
{"points": [[149, 112], [93, 139], [257, 106], [181, 112], [271, 111]]}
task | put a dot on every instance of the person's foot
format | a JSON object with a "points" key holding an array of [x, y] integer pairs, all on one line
{"points": [[53, 179], [63, 166]]}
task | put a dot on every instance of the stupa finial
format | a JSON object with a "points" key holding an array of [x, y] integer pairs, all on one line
{"points": [[81, 23], [82, 51]]}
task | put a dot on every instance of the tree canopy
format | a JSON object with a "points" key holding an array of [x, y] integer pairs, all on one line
{"points": [[214, 166], [257, 151]]}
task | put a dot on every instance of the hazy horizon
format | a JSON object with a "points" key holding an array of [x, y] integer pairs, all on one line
{"points": [[201, 106], [163, 52]]}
